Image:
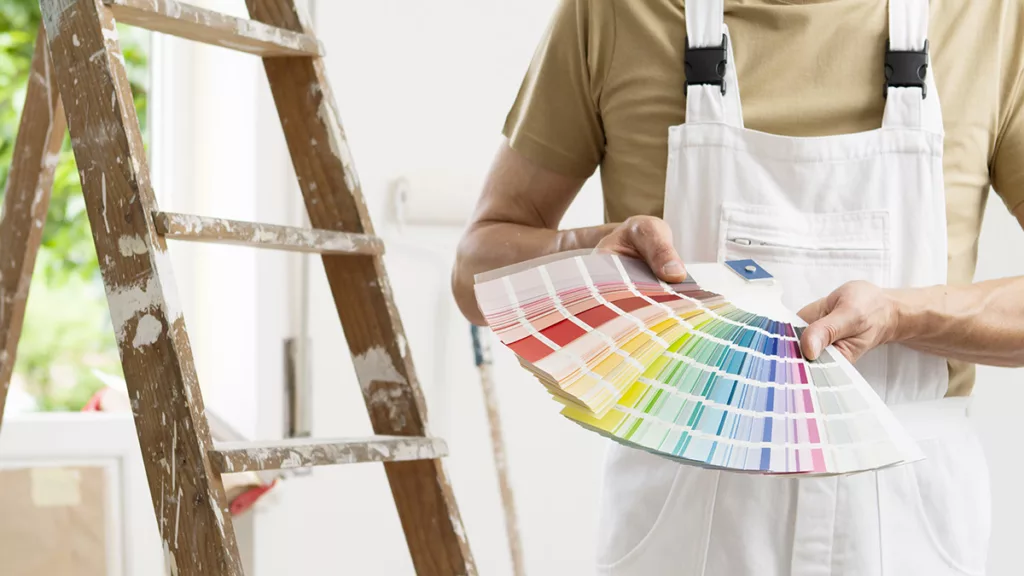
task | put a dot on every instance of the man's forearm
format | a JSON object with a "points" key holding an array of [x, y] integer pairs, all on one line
{"points": [[981, 323], [491, 245]]}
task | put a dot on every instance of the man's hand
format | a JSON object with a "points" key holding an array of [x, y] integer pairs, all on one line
{"points": [[855, 318], [649, 239]]}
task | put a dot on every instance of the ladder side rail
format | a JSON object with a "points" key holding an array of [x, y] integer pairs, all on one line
{"points": [[188, 496], [26, 201]]}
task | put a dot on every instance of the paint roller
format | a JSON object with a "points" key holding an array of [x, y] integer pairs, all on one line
{"points": [[435, 198]]}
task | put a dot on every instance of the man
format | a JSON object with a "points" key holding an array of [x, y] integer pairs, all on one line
{"points": [[855, 173]]}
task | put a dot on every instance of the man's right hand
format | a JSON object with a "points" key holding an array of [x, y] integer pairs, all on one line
{"points": [[649, 239], [517, 218]]}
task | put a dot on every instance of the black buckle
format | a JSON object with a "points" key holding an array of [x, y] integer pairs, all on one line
{"points": [[707, 65], [906, 69]]}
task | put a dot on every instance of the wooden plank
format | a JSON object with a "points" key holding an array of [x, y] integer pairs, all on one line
{"points": [[26, 200], [362, 294], [231, 457], [188, 497], [202, 25], [218, 230]]}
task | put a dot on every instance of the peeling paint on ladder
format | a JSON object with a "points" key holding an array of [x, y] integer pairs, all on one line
{"points": [[147, 332], [177, 516], [170, 563], [127, 302], [110, 34], [130, 245], [103, 203], [375, 365], [219, 515], [174, 457], [53, 17]]}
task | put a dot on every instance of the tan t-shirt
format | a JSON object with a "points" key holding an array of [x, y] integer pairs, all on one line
{"points": [[607, 81]]}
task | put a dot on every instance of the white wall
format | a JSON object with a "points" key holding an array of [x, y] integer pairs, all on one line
{"points": [[999, 391], [218, 150], [423, 89]]}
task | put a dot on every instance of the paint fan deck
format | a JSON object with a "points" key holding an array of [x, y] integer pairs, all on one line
{"points": [[683, 371]]}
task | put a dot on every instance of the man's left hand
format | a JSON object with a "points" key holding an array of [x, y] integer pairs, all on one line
{"points": [[855, 318]]}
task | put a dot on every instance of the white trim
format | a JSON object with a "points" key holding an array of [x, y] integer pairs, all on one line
{"points": [[104, 440]]}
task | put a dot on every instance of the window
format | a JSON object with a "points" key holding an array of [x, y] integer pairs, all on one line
{"points": [[67, 348]]}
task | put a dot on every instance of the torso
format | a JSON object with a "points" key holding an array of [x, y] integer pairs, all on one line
{"points": [[795, 85]]}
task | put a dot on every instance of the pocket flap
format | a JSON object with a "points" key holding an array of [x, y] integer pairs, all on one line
{"points": [[766, 225]]}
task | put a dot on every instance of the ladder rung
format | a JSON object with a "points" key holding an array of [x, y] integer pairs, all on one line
{"points": [[202, 25], [294, 239], [230, 457]]}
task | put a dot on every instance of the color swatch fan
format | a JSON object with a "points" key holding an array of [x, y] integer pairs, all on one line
{"points": [[708, 371]]}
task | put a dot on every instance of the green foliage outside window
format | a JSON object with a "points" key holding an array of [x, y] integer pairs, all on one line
{"points": [[67, 336]]}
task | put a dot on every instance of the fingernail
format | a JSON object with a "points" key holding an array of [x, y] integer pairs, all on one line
{"points": [[814, 347], [672, 269]]}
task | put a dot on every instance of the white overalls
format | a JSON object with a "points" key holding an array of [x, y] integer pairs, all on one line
{"points": [[815, 212]]}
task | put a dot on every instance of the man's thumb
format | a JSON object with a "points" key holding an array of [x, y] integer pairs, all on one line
{"points": [[652, 239], [829, 329]]}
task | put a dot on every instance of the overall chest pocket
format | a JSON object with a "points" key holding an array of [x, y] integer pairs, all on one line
{"points": [[811, 254]]}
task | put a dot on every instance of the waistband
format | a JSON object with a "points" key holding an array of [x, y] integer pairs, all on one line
{"points": [[931, 419]]}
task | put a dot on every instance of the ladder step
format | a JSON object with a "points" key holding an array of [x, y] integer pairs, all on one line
{"points": [[202, 25], [194, 228], [231, 457]]}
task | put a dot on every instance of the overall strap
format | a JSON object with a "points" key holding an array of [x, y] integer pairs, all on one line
{"points": [[712, 91], [911, 98]]}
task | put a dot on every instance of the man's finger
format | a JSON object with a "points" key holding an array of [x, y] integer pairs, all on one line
{"points": [[813, 311], [652, 239], [834, 326]]}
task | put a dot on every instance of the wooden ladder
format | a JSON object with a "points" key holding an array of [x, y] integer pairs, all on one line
{"points": [[78, 77]]}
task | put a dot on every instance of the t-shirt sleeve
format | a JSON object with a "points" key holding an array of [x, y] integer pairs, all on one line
{"points": [[1008, 160], [555, 120], [1007, 165]]}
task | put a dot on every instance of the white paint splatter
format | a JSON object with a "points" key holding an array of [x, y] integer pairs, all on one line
{"points": [[402, 345], [219, 515], [54, 15], [127, 302], [292, 461], [162, 523], [375, 365], [131, 245], [336, 138], [103, 202], [174, 456], [147, 331], [172, 305], [170, 562], [74, 40], [110, 34], [177, 516]]}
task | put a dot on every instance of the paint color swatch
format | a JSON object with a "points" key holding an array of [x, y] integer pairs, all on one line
{"points": [[686, 373]]}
